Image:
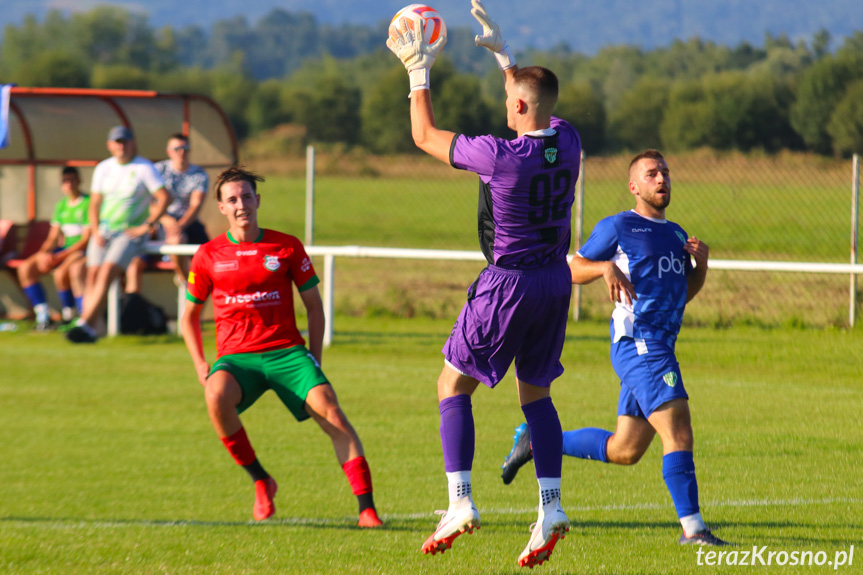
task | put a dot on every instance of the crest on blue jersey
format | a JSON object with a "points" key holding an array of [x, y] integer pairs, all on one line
{"points": [[680, 236], [670, 379], [271, 263], [550, 155]]}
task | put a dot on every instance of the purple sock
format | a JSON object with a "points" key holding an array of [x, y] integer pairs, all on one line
{"points": [[546, 437], [457, 433]]}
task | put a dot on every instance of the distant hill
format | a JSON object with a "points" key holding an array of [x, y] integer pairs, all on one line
{"points": [[585, 25]]}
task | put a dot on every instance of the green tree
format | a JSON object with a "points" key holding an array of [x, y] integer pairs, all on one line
{"points": [[120, 77], [23, 45], [111, 35], [821, 88], [580, 105], [635, 123], [846, 123], [332, 112], [460, 107], [267, 108], [55, 69], [686, 123], [386, 114], [821, 43], [725, 111], [232, 90], [279, 43]]}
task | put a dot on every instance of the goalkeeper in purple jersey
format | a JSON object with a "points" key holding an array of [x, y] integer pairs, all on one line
{"points": [[646, 262], [518, 307]]}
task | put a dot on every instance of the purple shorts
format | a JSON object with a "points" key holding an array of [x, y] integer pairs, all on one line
{"points": [[511, 315]]}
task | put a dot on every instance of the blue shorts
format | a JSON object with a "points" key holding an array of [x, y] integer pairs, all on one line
{"points": [[649, 376], [512, 315]]}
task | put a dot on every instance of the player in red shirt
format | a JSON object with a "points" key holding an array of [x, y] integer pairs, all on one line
{"points": [[248, 271]]}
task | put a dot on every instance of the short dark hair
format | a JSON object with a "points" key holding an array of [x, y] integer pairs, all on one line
{"points": [[179, 136], [70, 170], [646, 154], [542, 81], [235, 173]]}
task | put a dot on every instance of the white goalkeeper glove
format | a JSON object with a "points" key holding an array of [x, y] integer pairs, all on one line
{"points": [[417, 56], [491, 37]]}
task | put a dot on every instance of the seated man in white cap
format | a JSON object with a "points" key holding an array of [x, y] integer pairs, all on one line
{"points": [[126, 201]]}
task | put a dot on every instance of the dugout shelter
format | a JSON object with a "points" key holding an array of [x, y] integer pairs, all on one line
{"points": [[50, 128]]}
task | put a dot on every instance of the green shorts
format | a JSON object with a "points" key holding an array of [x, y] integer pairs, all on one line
{"points": [[291, 373]]}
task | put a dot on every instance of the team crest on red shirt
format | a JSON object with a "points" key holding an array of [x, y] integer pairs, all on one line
{"points": [[271, 263]]}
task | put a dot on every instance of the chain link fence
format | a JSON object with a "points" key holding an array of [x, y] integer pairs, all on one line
{"points": [[785, 207]]}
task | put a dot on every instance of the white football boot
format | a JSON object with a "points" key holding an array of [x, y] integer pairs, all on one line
{"points": [[462, 516], [551, 525]]}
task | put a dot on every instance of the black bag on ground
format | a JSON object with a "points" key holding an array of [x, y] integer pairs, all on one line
{"points": [[139, 316]]}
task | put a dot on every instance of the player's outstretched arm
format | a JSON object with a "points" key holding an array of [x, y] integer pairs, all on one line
{"points": [[190, 324], [418, 58], [700, 252], [317, 321], [426, 135], [585, 271], [491, 37]]}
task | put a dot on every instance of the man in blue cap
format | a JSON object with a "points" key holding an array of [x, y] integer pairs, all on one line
{"points": [[126, 201]]}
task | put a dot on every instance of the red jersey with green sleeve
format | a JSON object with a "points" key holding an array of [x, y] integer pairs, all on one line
{"points": [[251, 287]]}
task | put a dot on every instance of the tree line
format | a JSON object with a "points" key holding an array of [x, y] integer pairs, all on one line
{"points": [[341, 85]]}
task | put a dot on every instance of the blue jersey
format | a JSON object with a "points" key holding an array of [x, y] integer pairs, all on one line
{"points": [[527, 188], [650, 252]]}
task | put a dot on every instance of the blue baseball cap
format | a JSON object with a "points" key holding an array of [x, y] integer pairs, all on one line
{"points": [[120, 133]]}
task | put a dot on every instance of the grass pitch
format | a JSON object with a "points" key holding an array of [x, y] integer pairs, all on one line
{"points": [[110, 464]]}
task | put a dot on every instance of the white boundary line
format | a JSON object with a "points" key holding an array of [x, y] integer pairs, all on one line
{"points": [[349, 521]]}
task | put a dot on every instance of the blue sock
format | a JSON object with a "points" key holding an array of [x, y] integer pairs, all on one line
{"points": [[586, 443], [67, 298], [546, 437], [79, 303], [457, 433], [678, 471], [35, 293]]}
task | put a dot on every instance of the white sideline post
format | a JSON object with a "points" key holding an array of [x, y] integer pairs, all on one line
{"points": [[310, 196], [855, 219], [181, 304], [114, 307], [329, 276], [579, 235]]}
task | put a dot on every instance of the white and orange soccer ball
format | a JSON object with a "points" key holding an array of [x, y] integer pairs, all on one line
{"points": [[419, 18]]}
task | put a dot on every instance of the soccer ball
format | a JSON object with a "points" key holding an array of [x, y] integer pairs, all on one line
{"points": [[419, 18]]}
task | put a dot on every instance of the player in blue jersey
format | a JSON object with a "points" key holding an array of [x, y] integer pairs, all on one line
{"points": [[518, 307], [646, 261]]}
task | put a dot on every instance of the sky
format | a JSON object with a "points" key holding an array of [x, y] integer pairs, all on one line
{"points": [[586, 25]]}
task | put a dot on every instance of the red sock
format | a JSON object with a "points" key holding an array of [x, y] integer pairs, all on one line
{"points": [[239, 447], [359, 475]]}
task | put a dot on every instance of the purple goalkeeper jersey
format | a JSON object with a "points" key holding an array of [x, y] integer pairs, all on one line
{"points": [[527, 188]]}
